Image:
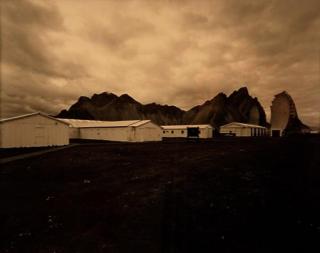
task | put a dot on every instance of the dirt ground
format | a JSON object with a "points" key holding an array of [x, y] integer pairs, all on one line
{"points": [[10, 152], [224, 195]]}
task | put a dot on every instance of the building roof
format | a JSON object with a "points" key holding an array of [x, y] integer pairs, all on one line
{"points": [[80, 123], [239, 124], [140, 123], [170, 127], [30, 115]]}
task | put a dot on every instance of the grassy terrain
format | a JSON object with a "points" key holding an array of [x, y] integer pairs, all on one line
{"points": [[224, 195]]}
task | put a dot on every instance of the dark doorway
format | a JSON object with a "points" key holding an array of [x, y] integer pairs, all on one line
{"points": [[254, 132], [193, 132], [275, 133], [215, 132]]}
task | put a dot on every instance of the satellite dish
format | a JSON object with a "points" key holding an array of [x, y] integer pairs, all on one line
{"points": [[283, 113]]}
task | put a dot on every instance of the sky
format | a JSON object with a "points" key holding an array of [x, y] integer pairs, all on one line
{"points": [[170, 52]]}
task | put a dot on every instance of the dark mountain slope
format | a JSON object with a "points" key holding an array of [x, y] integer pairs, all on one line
{"points": [[239, 106], [108, 106]]}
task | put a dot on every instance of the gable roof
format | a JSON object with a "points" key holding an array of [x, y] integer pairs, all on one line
{"points": [[169, 127], [140, 123], [239, 124], [30, 115], [80, 123]]}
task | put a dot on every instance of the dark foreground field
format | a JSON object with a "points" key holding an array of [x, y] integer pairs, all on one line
{"points": [[233, 195]]}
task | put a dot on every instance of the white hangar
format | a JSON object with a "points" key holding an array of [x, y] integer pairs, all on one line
{"points": [[33, 130], [187, 131], [243, 129], [125, 131]]}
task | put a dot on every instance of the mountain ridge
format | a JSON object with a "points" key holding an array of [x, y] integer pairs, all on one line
{"points": [[221, 109]]}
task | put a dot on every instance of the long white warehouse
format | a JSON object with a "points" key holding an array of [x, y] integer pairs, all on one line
{"points": [[33, 130], [187, 131], [125, 131], [242, 129]]}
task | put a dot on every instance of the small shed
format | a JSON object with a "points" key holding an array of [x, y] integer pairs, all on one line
{"points": [[187, 131], [125, 130], [33, 130], [243, 129]]}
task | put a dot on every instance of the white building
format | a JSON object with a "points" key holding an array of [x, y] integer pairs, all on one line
{"points": [[126, 131], [243, 129], [187, 131], [33, 130]]}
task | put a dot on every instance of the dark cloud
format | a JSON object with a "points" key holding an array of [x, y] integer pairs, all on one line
{"points": [[27, 13], [26, 43], [28, 57], [119, 31], [22, 35], [194, 20], [173, 52]]}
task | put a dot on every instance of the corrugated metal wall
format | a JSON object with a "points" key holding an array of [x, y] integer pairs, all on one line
{"points": [[146, 132], [183, 133], [243, 131], [175, 133], [205, 133], [109, 134], [33, 131]]}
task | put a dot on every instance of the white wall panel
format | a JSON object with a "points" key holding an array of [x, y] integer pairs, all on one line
{"points": [[33, 131]]}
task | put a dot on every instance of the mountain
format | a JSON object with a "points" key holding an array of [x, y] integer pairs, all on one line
{"points": [[108, 106], [239, 106]]}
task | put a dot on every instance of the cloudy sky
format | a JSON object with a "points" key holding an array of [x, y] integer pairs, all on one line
{"points": [[169, 52]]}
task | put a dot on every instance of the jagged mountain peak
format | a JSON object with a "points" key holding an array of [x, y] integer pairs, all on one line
{"points": [[221, 109], [103, 95], [103, 98], [127, 98], [220, 95], [218, 98], [83, 99], [242, 92]]}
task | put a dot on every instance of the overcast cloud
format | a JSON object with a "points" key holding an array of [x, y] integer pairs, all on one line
{"points": [[169, 52]]}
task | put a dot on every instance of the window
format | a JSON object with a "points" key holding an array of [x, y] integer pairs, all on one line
{"points": [[182, 131], [164, 132], [172, 132]]}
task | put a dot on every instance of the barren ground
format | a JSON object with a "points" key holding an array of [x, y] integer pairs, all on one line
{"points": [[224, 195]]}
